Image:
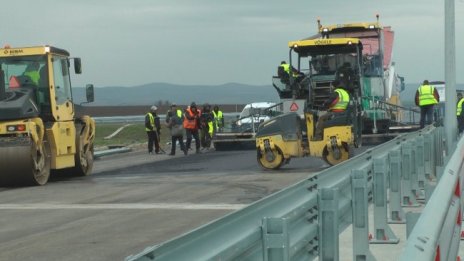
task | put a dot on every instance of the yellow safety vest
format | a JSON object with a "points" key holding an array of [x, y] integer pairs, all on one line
{"points": [[217, 117], [286, 67], [152, 121], [459, 107], [344, 99], [210, 128], [426, 96], [179, 113], [34, 75]]}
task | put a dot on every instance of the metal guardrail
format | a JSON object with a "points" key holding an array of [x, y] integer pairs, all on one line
{"points": [[141, 118], [303, 221], [437, 232], [102, 153]]}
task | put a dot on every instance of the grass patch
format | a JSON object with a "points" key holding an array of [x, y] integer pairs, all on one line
{"points": [[133, 134]]}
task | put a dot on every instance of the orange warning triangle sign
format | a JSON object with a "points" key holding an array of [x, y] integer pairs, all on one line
{"points": [[294, 107], [14, 82]]}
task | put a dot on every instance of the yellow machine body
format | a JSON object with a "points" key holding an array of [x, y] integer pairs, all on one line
{"points": [[37, 117], [276, 144]]}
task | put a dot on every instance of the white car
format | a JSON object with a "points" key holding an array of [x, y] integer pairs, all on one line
{"points": [[252, 115]]}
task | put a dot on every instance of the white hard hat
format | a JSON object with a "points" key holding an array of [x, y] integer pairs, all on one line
{"points": [[153, 108]]}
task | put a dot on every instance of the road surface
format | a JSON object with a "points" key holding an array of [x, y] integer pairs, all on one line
{"points": [[132, 201]]}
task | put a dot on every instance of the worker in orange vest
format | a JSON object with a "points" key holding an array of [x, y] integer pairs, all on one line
{"points": [[192, 125]]}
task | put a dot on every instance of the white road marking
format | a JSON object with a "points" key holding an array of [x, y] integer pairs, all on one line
{"points": [[42, 206]]}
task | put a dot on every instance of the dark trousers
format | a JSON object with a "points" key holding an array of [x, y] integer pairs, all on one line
{"points": [[174, 140], [426, 115], [195, 135], [318, 134], [153, 138], [461, 123]]}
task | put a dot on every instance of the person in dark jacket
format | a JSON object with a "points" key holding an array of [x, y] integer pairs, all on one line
{"points": [[174, 121], [153, 129], [207, 128]]}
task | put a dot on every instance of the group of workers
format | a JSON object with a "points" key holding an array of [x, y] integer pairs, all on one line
{"points": [[197, 124]]}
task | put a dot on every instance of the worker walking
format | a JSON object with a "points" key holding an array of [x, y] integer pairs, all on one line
{"points": [[426, 98], [174, 120], [460, 113], [207, 128], [192, 125], [153, 129], [336, 104]]}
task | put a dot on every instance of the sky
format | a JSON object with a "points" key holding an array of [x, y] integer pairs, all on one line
{"points": [[211, 42]]}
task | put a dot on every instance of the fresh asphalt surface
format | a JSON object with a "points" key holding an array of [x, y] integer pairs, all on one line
{"points": [[134, 200]]}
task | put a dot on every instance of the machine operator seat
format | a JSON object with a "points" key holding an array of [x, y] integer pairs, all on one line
{"points": [[341, 118]]}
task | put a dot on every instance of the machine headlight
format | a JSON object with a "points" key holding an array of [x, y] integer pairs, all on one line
{"points": [[371, 26], [325, 30], [19, 127]]}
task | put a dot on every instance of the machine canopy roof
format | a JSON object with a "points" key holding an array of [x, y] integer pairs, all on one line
{"points": [[325, 46]]}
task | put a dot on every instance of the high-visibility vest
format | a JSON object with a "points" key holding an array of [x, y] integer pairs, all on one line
{"points": [[191, 123], [179, 113], [34, 75], [459, 107], [152, 121], [426, 96], [210, 128], [217, 118], [286, 67], [343, 100]]}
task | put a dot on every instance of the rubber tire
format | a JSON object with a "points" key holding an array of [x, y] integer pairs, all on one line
{"points": [[83, 158], [40, 164], [275, 164]]}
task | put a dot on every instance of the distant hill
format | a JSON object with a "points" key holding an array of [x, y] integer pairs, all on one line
{"points": [[230, 93], [153, 93]]}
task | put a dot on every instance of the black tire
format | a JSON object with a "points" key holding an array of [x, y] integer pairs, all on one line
{"points": [[84, 156], [40, 164]]}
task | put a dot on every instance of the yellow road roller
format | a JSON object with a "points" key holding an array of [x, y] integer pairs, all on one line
{"points": [[39, 131], [287, 136]]}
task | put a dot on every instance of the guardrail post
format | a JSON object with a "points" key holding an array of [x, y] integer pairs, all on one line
{"points": [[328, 224], [420, 162], [411, 220], [396, 212], [414, 175], [429, 166], [408, 198], [360, 207], [276, 242], [382, 231], [438, 139]]}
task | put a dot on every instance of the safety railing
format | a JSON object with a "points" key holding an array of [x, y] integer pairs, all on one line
{"points": [[437, 233], [403, 115], [303, 221]]}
